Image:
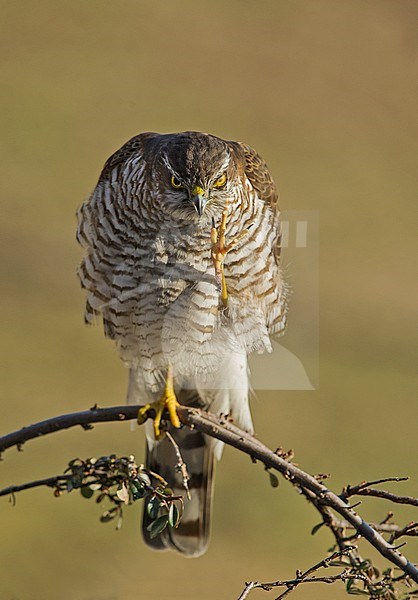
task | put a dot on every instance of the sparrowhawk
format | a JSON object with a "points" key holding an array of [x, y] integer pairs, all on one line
{"points": [[182, 240]]}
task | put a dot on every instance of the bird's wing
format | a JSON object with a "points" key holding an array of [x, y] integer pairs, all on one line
{"points": [[133, 146], [98, 221], [257, 171]]}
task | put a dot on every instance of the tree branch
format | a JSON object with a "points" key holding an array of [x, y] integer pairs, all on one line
{"points": [[83, 419], [55, 481], [222, 429]]}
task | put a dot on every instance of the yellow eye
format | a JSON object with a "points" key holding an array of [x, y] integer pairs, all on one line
{"points": [[221, 181], [176, 183]]}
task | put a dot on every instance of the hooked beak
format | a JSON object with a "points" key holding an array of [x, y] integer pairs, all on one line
{"points": [[198, 199]]}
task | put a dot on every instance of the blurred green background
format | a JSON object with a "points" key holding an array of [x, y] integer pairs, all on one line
{"points": [[325, 92]]}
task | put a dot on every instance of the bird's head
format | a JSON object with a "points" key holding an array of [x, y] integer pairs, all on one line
{"points": [[199, 174]]}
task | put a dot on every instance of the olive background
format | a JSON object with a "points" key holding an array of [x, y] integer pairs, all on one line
{"points": [[325, 92]]}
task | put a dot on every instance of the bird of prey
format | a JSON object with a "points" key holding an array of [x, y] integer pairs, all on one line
{"points": [[182, 262]]}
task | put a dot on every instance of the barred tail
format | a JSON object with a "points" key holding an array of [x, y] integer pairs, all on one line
{"points": [[191, 537]]}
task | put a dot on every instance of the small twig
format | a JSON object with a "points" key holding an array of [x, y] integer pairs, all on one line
{"points": [[291, 584], [388, 496], [364, 489], [351, 490], [304, 577], [181, 465], [387, 518], [248, 587], [409, 530]]}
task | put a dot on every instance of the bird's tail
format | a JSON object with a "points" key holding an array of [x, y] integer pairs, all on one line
{"points": [[191, 537]]}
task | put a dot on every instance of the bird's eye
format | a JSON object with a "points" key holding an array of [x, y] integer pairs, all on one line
{"points": [[176, 183], [221, 181]]}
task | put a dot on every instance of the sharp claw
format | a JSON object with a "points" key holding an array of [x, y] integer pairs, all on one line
{"points": [[157, 421], [167, 401], [143, 414]]}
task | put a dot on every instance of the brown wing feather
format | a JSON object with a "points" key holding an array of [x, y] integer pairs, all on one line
{"points": [[257, 171], [135, 144]]}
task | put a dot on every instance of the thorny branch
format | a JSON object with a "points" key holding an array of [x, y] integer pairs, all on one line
{"points": [[325, 501]]}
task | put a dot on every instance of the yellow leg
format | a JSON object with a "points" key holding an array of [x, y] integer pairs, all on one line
{"points": [[220, 250], [167, 401]]}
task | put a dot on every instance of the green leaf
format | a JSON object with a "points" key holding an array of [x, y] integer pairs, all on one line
{"points": [[86, 491], [317, 528], [153, 507], [274, 481], [137, 490], [173, 516], [157, 526]]}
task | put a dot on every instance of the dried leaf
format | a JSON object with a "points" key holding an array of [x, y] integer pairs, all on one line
{"points": [[95, 486], [108, 515], [123, 493]]}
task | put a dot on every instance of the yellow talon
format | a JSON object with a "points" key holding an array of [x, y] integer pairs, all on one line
{"points": [[167, 401]]}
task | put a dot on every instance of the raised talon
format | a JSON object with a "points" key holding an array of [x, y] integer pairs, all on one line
{"points": [[220, 250], [167, 401]]}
